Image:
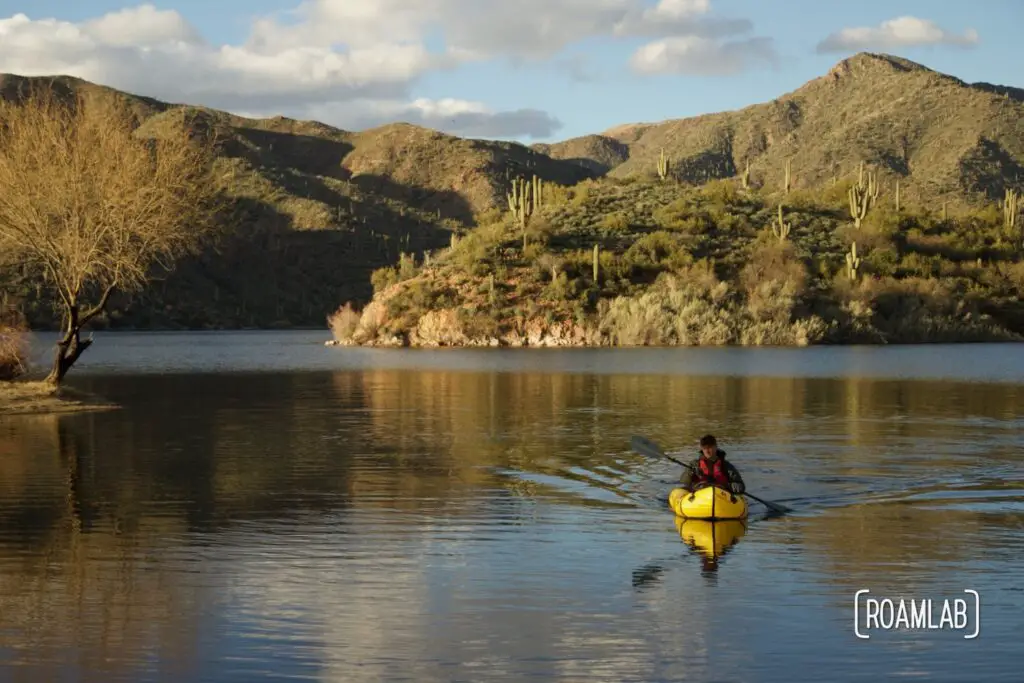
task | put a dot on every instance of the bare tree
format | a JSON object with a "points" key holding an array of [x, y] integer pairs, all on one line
{"points": [[94, 204]]}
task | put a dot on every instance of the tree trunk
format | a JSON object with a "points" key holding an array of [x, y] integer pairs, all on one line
{"points": [[69, 348]]}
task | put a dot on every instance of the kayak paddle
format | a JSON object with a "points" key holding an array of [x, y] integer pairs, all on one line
{"points": [[647, 447]]}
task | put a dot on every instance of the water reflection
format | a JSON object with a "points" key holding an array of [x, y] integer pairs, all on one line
{"points": [[466, 525], [711, 540]]}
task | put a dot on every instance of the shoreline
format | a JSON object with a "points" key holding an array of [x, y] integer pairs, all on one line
{"points": [[575, 337], [493, 343], [37, 397]]}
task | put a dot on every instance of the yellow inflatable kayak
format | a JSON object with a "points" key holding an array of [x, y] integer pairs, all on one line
{"points": [[711, 538], [710, 503]]}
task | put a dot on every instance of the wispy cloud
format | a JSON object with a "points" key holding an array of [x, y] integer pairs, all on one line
{"points": [[895, 33], [698, 56], [356, 64]]}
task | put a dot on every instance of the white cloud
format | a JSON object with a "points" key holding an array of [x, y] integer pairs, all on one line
{"points": [[895, 33], [148, 58], [479, 29], [357, 63], [696, 55], [677, 18], [141, 26], [455, 116]]}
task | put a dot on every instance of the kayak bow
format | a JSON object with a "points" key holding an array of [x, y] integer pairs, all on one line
{"points": [[710, 503]]}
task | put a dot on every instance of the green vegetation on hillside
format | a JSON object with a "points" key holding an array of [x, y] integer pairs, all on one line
{"points": [[942, 137], [316, 211], [313, 209], [642, 262]]}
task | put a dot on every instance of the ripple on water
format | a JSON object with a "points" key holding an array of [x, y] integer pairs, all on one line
{"points": [[375, 523]]}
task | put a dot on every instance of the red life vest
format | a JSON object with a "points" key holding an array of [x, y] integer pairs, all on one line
{"points": [[715, 474]]}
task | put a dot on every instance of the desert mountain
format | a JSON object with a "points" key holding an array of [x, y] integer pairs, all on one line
{"points": [[322, 207], [939, 135]]}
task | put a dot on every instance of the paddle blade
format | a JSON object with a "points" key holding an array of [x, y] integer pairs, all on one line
{"points": [[645, 446], [774, 507]]}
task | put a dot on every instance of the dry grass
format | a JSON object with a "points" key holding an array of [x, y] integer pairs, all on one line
{"points": [[25, 398]]}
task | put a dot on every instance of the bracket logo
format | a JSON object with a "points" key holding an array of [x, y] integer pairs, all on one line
{"points": [[894, 614]]}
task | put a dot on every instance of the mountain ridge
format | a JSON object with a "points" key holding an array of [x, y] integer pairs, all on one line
{"points": [[322, 207], [971, 149]]}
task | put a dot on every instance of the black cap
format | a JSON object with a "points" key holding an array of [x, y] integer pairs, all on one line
{"points": [[708, 440]]}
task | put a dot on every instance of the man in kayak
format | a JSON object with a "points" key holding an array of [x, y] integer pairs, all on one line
{"points": [[711, 467]]}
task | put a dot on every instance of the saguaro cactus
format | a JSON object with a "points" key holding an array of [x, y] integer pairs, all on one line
{"points": [[852, 262], [521, 203], [780, 227], [897, 195], [862, 196], [1010, 208], [663, 165], [745, 177], [787, 179], [597, 262]]}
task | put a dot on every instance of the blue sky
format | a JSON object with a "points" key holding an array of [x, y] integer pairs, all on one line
{"points": [[533, 70]]}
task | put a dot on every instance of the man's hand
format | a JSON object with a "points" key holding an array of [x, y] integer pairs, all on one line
{"points": [[736, 487]]}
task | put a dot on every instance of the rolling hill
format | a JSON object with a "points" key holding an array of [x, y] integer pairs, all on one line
{"points": [[941, 137], [322, 208]]}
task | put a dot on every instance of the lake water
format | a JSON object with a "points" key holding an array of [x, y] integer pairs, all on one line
{"points": [[265, 508]]}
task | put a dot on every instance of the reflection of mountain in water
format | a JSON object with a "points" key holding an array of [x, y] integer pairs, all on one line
{"points": [[359, 510]]}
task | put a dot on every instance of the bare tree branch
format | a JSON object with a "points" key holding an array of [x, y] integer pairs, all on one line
{"points": [[96, 202]]}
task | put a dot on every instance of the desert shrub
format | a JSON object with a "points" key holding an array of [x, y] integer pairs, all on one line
{"points": [[774, 280], [344, 322], [920, 265], [617, 222], [836, 196], [441, 327], [475, 252], [803, 199], [725, 220], [682, 216], [917, 310], [554, 194], [1015, 274], [885, 222], [866, 239], [611, 266], [14, 344], [539, 230], [777, 332], [547, 266], [723, 192], [580, 193], [688, 309], [653, 249], [560, 288], [479, 324], [382, 278], [489, 216], [407, 266], [882, 260]]}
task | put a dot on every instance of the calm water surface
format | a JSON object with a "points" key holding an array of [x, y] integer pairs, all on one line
{"points": [[264, 508]]}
